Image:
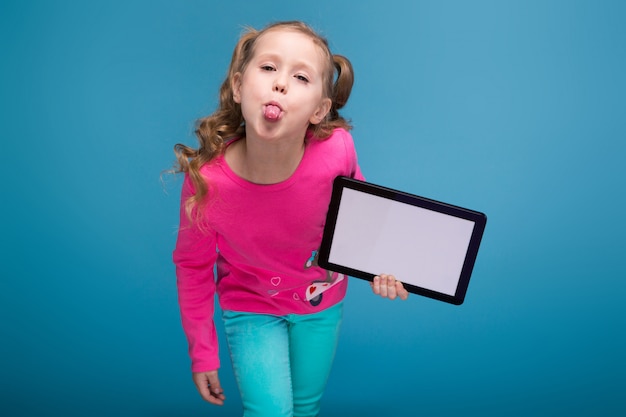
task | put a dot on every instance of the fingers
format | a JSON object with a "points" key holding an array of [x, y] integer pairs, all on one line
{"points": [[388, 287], [401, 291], [384, 285], [215, 387], [209, 387]]}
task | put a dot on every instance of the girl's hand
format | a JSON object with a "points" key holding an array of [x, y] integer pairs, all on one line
{"points": [[208, 385], [388, 287]]}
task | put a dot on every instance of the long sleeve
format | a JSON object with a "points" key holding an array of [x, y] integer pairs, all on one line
{"points": [[194, 256]]}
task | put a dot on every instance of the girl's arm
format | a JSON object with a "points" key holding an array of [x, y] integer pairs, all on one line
{"points": [[194, 256]]}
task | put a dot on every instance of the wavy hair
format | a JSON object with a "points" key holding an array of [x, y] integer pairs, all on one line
{"points": [[227, 122]]}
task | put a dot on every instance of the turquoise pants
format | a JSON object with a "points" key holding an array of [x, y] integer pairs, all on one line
{"points": [[282, 363]]}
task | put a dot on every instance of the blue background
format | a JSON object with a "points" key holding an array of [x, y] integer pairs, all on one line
{"points": [[513, 108]]}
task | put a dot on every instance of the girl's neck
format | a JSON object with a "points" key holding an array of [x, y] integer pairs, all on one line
{"points": [[262, 162]]}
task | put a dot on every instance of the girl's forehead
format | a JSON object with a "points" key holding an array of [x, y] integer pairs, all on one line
{"points": [[282, 37]]}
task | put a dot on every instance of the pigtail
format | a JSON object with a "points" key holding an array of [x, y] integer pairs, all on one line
{"points": [[215, 130], [341, 88], [343, 84]]}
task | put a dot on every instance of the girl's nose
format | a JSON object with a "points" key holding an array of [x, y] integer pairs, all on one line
{"points": [[280, 86]]}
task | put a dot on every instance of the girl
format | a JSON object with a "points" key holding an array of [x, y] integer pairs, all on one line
{"points": [[254, 201]]}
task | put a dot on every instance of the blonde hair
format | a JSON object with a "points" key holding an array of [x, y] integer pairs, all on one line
{"points": [[227, 122]]}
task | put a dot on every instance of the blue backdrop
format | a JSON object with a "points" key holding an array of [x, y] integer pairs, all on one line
{"points": [[513, 108]]}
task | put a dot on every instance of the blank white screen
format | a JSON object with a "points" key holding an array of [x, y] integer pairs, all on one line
{"points": [[418, 246]]}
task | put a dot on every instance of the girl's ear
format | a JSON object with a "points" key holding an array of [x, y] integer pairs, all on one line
{"points": [[321, 111], [235, 85]]}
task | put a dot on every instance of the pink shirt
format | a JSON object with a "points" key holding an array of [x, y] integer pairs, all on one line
{"points": [[263, 240]]}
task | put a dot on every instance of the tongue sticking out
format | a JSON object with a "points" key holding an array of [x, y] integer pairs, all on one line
{"points": [[272, 112]]}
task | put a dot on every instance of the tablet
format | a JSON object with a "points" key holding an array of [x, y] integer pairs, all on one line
{"points": [[428, 245]]}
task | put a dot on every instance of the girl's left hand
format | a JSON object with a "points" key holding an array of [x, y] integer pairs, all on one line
{"points": [[388, 287]]}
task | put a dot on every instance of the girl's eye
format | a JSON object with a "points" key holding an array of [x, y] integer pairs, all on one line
{"points": [[302, 78], [267, 68]]}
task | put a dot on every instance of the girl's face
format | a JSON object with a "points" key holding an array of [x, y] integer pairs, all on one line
{"points": [[281, 89]]}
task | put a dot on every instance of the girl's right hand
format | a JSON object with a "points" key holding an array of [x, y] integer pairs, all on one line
{"points": [[208, 385]]}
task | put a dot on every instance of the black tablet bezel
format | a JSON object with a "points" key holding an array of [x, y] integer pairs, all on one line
{"points": [[479, 219]]}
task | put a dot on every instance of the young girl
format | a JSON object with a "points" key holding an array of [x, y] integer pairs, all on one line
{"points": [[254, 201]]}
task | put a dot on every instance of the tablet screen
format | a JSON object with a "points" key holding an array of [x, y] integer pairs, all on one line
{"points": [[428, 245]]}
